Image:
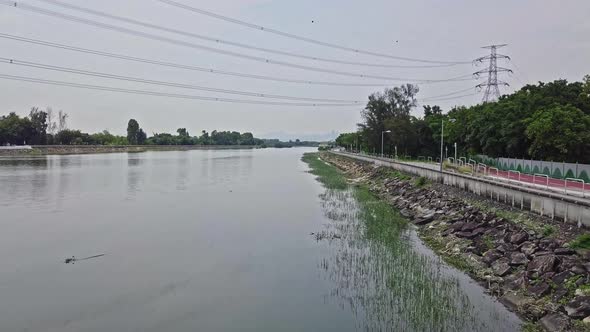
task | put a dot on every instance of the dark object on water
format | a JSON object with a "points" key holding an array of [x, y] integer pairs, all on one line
{"points": [[70, 260], [74, 259]]}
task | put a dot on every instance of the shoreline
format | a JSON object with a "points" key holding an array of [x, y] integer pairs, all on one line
{"points": [[42, 150], [449, 300], [521, 259]]}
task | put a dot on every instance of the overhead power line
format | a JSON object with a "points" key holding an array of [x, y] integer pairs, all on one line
{"points": [[227, 42], [448, 98], [447, 94], [194, 68], [163, 83], [301, 38], [215, 50], [161, 94]]}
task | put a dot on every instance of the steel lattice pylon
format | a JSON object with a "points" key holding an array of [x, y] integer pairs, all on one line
{"points": [[492, 90]]}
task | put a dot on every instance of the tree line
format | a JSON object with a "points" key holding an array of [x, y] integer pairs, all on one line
{"points": [[544, 121], [50, 128]]}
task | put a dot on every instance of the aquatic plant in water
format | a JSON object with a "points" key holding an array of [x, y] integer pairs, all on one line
{"points": [[377, 272]]}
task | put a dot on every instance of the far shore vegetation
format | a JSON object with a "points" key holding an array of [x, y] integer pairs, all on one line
{"points": [[46, 127]]}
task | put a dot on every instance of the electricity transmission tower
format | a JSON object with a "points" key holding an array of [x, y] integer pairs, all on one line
{"points": [[492, 90]]}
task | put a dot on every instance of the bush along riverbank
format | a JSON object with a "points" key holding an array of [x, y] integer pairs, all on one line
{"points": [[536, 267]]}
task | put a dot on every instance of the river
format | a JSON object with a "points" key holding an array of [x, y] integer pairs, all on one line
{"points": [[211, 241]]}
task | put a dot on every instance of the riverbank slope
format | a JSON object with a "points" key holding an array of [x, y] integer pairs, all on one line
{"points": [[533, 265]]}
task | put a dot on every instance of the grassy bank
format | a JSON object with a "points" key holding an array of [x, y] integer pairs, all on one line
{"points": [[328, 175], [536, 266], [412, 288]]}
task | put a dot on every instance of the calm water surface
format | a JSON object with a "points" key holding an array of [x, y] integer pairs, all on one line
{"points": [[211, 241]]}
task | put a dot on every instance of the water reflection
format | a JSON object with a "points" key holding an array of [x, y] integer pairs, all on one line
{"points": [[33, 162], [224, 168], [388, 284], [23, 178], [39, 183], [134, 173], [182, 171]]}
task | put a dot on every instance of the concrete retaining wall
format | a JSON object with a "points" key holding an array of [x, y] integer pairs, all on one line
{"points": [[554, 205]]}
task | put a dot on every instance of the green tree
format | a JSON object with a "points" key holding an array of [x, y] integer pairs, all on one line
{"points": [[71, 137], [38, 120], [348, 140], [247, 139], [558, 133], [141, 137], [586, 87], [15, 130], [182, 132], [132, 132], [389, 110]]}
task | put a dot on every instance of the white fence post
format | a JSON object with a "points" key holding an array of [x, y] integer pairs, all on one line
{"points": [[511, 171], [576, 180], [546, 179]]}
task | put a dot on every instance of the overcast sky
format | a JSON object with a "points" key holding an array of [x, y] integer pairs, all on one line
{"points": [[547, 40]]}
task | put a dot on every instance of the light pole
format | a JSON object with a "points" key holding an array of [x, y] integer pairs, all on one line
{"points": [[442, 138], [382, 133], [455, 151]]}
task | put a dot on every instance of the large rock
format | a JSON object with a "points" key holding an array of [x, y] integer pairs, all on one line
{"points": [[556, 322], [548, 244], [562, 277], [469, 226], [505, 248], [501, 267], [406, 213], [467, 235], [570, 263], [491, 256], [579, 307], [579, 269], [564, 251], [478, 231], [539, 290], [528, 248], [543, 264], [518, 258], [423, 220], [517, 280], [514, 301], [518, 238], [559, 293]]}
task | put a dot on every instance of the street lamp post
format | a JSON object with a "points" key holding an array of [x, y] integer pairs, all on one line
{"points": [[382, 133], [442, 138], [455, 151]]}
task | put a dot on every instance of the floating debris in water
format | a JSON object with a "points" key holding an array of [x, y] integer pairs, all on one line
{"points": [[73, 259]]}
